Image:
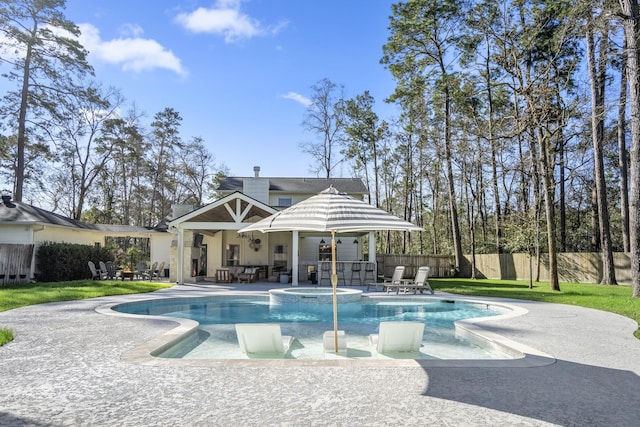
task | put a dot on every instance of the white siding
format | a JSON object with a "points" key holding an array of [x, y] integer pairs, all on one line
{"points": [[15, 234], [161, 248]]}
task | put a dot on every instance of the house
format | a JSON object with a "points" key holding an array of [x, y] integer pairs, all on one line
{"points": [[23, 228], [197, 241], [207, 238]]}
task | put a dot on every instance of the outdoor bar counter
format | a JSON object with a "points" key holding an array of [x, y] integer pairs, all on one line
{"points": [[355, 272]]}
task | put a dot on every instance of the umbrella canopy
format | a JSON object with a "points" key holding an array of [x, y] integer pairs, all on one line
{"points": [[331, 211], [335, 212]]}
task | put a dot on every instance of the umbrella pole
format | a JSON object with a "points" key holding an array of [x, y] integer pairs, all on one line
{"points": [[334, 284]]}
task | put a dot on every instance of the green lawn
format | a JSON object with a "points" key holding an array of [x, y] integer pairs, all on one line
{"points": [[616, 299], [38, 293]]}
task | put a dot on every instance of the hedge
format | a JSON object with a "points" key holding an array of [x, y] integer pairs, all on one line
{"points": [[58, 262]]}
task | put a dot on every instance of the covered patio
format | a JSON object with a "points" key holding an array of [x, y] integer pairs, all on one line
{"points": [[207, 240]]}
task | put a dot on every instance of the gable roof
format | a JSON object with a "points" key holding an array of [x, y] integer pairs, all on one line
{"points": [[23, 213], [299, 185], [236, 208]]}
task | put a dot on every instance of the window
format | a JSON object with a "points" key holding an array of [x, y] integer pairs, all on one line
{"points": [[284, 201], [233, 255]]}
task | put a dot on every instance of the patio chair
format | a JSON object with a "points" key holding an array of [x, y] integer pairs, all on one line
{"points": [[369, 274], [156, 273], [395, 279], [355, 273], [223, 275], [141, 268], [152, 269], [250, 274], [340, 273], [420, 282], [398, 337], [325, 273], [95, 274], [111, 270], [262, 339], [103, 269]]}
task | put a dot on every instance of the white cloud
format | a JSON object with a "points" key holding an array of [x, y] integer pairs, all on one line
{"points": [[225, 18], [132, 53], [298, 98], [130, 29]]}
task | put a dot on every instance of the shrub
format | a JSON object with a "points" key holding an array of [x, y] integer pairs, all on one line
{"points": [[59, 262]]}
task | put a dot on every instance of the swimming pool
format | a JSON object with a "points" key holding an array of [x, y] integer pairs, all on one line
{"points": [[217, 316]]}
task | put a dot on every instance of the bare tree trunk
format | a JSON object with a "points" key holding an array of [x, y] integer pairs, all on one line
{"points": [[22, 120], [547, 181], [622, 153], [595, 230], [562, 196], [597, 75], [494, 150], [453, 209], [631, 33]]}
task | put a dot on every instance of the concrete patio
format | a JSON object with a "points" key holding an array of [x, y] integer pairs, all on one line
{"points": [[67, 367]]}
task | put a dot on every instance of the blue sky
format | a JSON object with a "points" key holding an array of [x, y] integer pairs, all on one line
{"points": [[238, 72]]}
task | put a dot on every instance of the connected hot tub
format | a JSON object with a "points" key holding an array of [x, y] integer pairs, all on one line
{"points": [[297, 295]]}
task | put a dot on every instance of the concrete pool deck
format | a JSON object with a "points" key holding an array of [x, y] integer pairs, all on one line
{"points": [[66, 367]]}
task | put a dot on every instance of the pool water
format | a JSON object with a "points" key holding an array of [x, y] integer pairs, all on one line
{"points": [[216, 337]]}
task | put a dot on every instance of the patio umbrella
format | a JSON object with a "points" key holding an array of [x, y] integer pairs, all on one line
{"points": [[335, 212]]}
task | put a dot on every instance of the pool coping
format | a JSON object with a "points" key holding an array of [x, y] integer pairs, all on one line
{"points": [[145, 354]]}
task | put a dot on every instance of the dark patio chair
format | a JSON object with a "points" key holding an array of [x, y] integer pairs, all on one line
{"points": [[111, 270]]}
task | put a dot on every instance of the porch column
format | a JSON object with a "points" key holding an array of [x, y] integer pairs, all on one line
{"points": [[180, 256], [372, 246], [295, 270]]}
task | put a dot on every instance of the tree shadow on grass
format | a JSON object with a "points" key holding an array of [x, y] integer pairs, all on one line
{"points": [[563, 393]]}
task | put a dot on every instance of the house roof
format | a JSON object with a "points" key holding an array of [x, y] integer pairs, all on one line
{"points": [[299, 185], [23, 213], [17, 212], [233, 208]]}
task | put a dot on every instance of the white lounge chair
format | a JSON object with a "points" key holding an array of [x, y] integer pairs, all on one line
{"points": [[262, 339], [398, 337], [419, 283], [398, 272]]}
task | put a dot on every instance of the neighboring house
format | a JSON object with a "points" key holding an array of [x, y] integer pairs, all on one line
{"points": [[23, 228], [207, 238]]}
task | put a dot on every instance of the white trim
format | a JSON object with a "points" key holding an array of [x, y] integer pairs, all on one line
{"points": [[236, 212]]}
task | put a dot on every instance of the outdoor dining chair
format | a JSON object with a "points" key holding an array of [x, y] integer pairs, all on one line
{"points": [[355, 273]]}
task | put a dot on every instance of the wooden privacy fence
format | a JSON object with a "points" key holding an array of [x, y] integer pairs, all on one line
{"points": [[15, 263], [439, 265], [584, 267]]}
